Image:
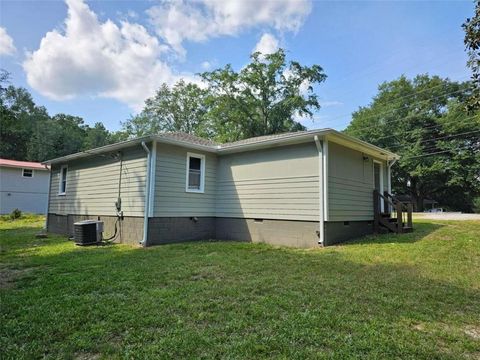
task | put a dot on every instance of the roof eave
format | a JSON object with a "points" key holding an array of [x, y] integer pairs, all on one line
{"points": [[99, 150], [128, 143]]}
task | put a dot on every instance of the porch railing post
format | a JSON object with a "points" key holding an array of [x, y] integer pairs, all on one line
{"points": [[409, 214], [398, 206]]}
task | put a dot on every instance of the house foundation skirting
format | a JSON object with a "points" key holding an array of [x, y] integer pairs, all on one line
{"points": [[339, 231], [130, 229], [165, 230]]}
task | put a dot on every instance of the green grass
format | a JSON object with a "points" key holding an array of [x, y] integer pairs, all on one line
{"points": [[410, 296]]}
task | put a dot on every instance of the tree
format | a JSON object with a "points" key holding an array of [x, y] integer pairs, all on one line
{"points": [[96, 136], [180, 108], [424, 120], [472, 44], [263, 98], [20, 116], [27, 132]]}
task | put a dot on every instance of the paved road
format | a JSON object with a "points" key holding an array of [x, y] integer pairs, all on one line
{"points": [[447, 216]]}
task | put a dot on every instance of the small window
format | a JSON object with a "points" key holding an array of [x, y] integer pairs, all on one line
{"points": [[195, 173], [63, 180], [27, 173]]}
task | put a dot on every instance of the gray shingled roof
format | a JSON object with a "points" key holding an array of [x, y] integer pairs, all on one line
{"points": [[259, 139], [182, 136]]}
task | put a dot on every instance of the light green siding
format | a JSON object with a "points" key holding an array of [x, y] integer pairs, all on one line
{"points": [[350, 184], [171, 199], [276, 183], [92, 185]]}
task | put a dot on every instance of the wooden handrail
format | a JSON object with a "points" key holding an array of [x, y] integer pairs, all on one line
{"points": [[401, 209]]}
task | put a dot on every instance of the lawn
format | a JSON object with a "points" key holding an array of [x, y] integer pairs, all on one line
{"points": [[391, 296]]}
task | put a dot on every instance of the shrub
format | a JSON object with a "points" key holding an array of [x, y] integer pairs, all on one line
{"points": [[15, 214]]}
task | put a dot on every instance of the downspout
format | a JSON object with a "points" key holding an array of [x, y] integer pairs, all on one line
{"points": [[48, 198], [147, 197], [321, 198]]}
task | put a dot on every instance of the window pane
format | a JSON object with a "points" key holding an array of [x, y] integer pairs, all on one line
{"points": [[27, 172], [194, 179], [63, 182], [195, 163]]}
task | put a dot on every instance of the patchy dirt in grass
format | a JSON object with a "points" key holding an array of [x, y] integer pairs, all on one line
{"points": [[419, 327], [9, 276], [473, 332]]}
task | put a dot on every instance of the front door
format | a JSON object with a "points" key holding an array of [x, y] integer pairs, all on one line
{"points": [[377, 179]]}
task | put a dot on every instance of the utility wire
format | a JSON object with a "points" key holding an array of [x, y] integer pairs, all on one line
{"points": [[381, 114]]}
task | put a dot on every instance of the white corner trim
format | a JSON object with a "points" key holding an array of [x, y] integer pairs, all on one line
{"points": [[381, 179], [48, 198], [321, 199], [60, 193], [147, 195], [202, 172], [325, 179], [153, 171]]}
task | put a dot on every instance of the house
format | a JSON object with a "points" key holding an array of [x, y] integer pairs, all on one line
{"points": [[301, 189], [23, 186]]}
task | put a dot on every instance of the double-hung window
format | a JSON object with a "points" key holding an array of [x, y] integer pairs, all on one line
{"points": [[195, 173], [28, 173], [63, 180]]}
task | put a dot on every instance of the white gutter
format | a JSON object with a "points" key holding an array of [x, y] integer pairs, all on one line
{"points": [[294, 138], [147, 196], [321, 198]]}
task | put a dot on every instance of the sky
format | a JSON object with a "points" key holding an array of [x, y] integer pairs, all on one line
{"points": [[101, 59]]}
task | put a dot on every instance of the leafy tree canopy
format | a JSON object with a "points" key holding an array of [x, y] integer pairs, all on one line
{"points": [[180, 108], [472, 44], [265, 97], [425, 121], [28, 132], [262, 98]]}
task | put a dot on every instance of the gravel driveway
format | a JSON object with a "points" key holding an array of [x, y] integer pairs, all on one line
{"points": [[447, 216]]}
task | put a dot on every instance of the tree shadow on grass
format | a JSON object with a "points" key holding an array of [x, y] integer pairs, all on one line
{"points": [[420, 231], [236, 300]]}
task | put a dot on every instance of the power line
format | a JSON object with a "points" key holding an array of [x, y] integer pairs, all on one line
{"points": [[380, 115], [435, 139], [433, 153]]}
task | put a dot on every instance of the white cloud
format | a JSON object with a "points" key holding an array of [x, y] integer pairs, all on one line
{"points": [[206, 65], [267, 44], [123, 61], [98, 59], [6, 43], [179, 20]]}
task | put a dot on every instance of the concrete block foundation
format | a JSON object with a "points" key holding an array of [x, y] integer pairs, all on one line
{"points": [[166, 230], [130, 229]]}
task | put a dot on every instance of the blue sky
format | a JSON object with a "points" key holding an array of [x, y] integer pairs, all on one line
{"points": [[100, 59]]}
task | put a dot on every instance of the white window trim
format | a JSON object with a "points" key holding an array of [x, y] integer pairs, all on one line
{"points": [[381, 180], [28, 177], [202, 173], [60, 193]]}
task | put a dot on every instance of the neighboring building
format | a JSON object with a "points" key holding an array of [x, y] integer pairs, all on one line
{"points": [[23, 186], [298, 189]]}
